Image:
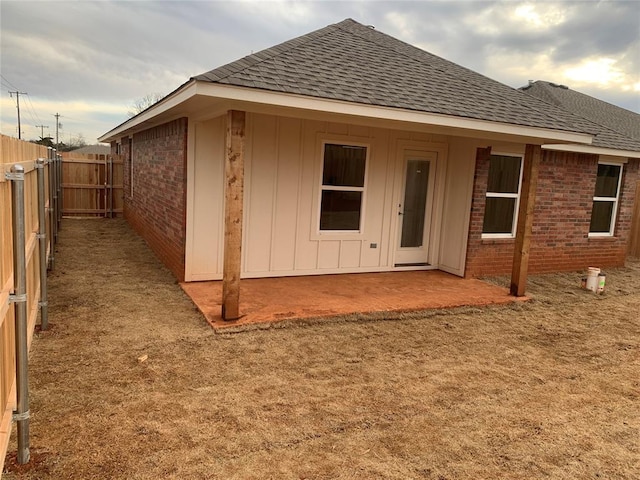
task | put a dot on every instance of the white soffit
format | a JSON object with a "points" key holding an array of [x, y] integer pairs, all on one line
{"points": [[170, 101], [592, 150], [387, 113], [287, 100]]}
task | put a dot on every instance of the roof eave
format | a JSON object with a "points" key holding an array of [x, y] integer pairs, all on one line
{"points": [[592, 150], [175, 98], [340, 107], [289, 100]]}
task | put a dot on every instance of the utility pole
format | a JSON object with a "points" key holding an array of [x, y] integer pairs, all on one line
{"points": [[57, 115], [42, 127], [18, 107]]}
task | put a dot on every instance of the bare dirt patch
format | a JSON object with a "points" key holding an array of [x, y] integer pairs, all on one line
{"points": [[544, 389]]}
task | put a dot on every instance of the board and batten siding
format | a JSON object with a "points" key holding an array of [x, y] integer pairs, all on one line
{"points": [[282, 189]]}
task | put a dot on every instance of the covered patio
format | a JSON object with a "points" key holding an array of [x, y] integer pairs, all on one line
{"points": [[270, 300]]}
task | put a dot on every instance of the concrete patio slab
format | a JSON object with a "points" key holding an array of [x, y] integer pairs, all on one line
{"points": [[268, 300]]}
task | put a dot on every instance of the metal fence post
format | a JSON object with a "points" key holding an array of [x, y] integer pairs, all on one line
{"points": [[42, 239], [19, 298]]}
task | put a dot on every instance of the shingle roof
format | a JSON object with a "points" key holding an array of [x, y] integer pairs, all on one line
{"points": [[617, 127], [94, 149], [355, 63]]}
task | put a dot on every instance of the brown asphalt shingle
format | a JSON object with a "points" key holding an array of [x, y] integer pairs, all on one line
{"points": [[355, 63], [617, 127]]}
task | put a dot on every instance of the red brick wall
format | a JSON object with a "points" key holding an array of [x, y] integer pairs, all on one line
{"points": [[560, 237], [157, 208]]}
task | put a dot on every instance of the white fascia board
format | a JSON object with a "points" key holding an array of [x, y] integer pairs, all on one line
{"points": [[387, 113], [593, 150], [288, 100], [172, 100]]}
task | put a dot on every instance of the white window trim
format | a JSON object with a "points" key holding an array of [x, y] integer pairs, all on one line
{"points": [[342, 233], [506, 195], [615, 200]]}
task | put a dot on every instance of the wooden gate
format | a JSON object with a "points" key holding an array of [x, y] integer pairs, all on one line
{"points": [[91, 185]]}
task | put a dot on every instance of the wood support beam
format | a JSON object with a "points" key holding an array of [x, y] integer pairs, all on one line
{"points": [[233, 202], [520, 268]]}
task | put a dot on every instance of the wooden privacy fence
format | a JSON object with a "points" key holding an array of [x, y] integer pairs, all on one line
{"points": [[36, 243], [92, 185]]}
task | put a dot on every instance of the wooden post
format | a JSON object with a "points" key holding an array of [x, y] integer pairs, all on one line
{"points": [[525, 219], [233, 200]]}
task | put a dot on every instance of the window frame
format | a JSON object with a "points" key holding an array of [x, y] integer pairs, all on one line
{"points": [[615, 200], [322, 188], [517, 195]]}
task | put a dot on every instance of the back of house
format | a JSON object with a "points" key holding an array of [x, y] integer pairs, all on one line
{"points": [[361, 153]]}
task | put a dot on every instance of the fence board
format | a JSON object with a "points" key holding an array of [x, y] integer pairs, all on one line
{"points": [[15, 151]]}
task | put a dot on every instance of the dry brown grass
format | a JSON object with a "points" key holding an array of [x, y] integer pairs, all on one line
{"points": [[546, 389]]}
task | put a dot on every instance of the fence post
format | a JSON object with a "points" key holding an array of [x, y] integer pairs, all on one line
{"points": [[52, 227], [42, 239], [19, 298], [60, 199], [54, 190], [110, 186]]}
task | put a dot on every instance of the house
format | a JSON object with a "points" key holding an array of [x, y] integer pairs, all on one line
{"points": [[608, 116], [93, 150], [347, 150]]}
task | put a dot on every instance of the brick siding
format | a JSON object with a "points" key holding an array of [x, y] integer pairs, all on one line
{"points": [[157, 208], [560, 237]]}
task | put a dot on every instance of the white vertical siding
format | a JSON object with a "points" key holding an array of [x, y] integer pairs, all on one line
{"points": [[285, 212], [282, 187], [261, 167], [207, 207]]}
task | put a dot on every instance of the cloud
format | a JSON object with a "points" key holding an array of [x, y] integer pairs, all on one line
{"points": [[107, 54]]}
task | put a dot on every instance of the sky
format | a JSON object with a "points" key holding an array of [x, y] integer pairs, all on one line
{"points": [[90, 61]]}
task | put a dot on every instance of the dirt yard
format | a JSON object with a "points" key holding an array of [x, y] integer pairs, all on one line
{"points": [[544, 389]]}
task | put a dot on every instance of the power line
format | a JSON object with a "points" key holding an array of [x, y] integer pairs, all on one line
{"points": [[33, 111], [11, 85]]}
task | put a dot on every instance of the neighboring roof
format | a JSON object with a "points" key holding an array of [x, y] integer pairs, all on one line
{"points": [[617, 127], [94, 149], [355, 63]]}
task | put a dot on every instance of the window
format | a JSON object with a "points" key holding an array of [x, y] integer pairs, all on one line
{"points": [[342, 187], [503, 196], [605, 200]]}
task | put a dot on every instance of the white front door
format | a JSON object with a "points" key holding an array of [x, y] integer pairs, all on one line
{"points": [[415, 209]]}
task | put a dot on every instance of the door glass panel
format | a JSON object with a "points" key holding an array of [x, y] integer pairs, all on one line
{"points": [[415, 201]]}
